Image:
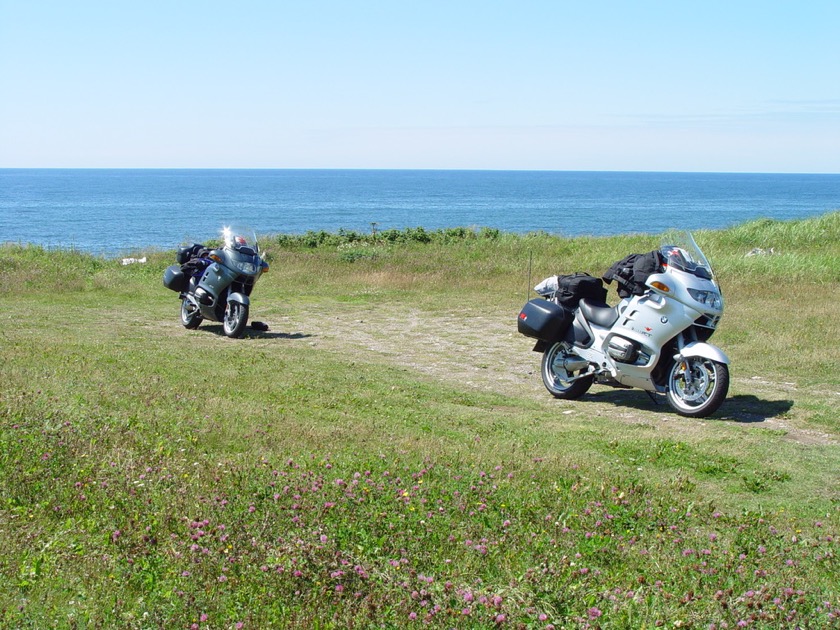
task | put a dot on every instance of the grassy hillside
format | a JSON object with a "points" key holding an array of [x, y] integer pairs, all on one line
{"points": [[385, 455]]}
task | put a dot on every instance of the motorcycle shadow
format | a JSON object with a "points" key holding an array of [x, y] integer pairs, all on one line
{"points": [[252, 333], [747, 408], [743, 408]]}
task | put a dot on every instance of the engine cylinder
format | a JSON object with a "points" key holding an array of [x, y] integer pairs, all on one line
{"points": [[623, 350]]}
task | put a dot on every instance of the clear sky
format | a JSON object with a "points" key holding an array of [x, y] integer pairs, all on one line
{"points": [[671, 85]]}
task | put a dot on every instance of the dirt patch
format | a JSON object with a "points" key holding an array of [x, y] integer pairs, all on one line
{"points": [[484, 352]]}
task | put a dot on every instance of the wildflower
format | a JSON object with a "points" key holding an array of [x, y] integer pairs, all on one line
{"points": [[594, 613]]}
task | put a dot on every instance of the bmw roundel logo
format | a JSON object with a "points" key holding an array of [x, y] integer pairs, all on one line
{"points": [[664, 320]]}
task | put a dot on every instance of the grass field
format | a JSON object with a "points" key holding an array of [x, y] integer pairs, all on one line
{"points": [[386, 456]]}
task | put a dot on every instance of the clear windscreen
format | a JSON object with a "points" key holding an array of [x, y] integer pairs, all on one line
{"points": [[240, 239], [681, 252]]}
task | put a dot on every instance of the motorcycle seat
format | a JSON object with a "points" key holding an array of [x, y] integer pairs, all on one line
{"points": [[599, 314]]}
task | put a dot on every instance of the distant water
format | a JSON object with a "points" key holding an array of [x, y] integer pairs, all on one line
{"points": [[119, 211]]}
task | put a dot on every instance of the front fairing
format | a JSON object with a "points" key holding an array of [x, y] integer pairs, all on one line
{"points": [[240, 251], [243, 264], [688, 275], [236, 264]]}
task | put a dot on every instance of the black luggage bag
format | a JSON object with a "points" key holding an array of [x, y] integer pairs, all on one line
{"points": [[175, 279], [571, 289], [544, 320]]}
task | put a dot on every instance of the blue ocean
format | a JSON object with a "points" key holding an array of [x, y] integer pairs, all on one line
{"points": [[113, 212]]}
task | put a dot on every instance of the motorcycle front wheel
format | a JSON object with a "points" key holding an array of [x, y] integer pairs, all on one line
{"points": [[697, 386], [235, 319], [557, 380], [190, 315]]}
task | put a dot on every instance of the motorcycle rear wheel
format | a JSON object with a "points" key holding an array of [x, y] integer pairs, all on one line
{"points": [[235, 319], [190, 316], [697, 386], [557, 380]]}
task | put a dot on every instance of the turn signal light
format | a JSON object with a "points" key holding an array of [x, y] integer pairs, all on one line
{"points": [[215, 257], [660, 286]]}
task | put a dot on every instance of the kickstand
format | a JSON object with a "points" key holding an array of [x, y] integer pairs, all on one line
{"points": [[655, 397]]}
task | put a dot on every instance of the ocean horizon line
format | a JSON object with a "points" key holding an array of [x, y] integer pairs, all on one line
{"points": [[407, 170]]}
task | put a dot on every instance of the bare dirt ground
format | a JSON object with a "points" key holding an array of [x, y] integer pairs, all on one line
{"points": [[484, 352]]}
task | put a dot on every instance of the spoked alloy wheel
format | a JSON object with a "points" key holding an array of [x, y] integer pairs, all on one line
{"points": [[557, 379], [190, 315], [235, 320], [697, 386]]}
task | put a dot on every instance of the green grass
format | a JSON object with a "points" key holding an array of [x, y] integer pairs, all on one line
{"points": [[156, 477]]}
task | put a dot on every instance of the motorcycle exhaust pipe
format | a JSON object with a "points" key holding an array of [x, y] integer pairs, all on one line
{"points": [[575, 364]]}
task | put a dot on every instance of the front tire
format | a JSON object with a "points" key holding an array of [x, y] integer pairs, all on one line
{"points": [[190, 315], [697, 386], [557, 379], [235, 319]]}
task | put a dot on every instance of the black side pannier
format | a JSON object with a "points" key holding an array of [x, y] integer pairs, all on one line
{"points": [[175, 279], [573, 288], [631, 272], [544, 320]]}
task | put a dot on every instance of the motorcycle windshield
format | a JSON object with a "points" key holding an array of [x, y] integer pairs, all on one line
{"points": [[242, 240], [680, 251]]}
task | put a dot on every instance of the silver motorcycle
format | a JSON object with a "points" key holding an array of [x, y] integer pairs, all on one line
{"points": [[216, 284], [656, 341]]}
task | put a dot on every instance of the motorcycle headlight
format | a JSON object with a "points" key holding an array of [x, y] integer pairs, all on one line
{"points": [[711, 299], [247, 268]]}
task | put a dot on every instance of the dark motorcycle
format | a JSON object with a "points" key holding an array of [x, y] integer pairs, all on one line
{"points": [[216, 284]]}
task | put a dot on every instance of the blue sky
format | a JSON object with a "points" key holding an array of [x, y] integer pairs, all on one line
{"points": [[736, 86]]}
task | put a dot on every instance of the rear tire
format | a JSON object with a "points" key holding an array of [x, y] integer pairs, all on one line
{"points": [[697, 386], [190, 315], [235, 319], [557, 379]]}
